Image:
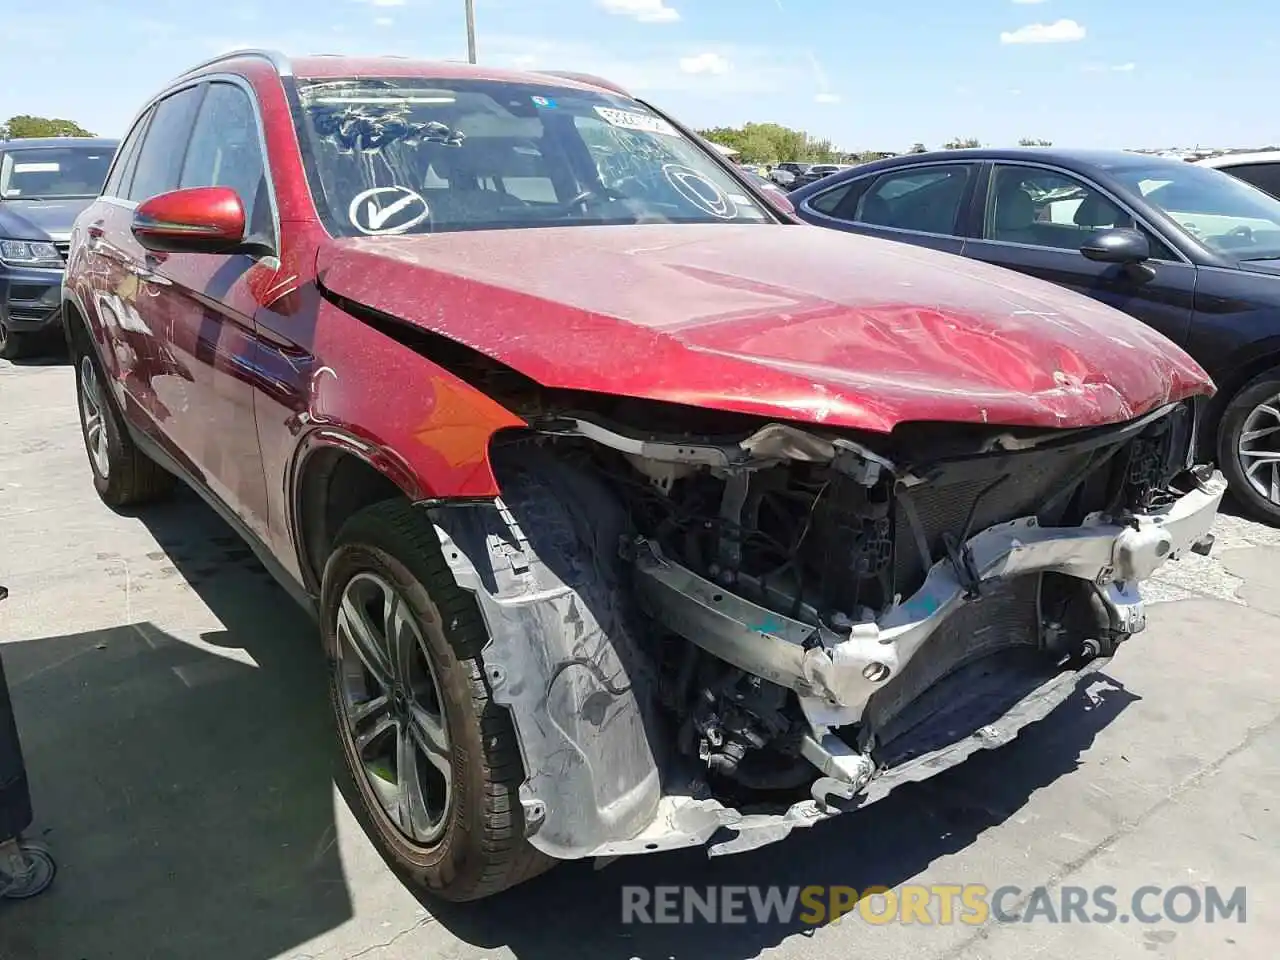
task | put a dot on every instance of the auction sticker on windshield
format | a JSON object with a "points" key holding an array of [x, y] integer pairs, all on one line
{"points": [[642, 122]]}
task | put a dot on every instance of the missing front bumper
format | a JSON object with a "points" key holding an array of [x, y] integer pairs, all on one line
{"points": [[835, 676], [593, 761]]}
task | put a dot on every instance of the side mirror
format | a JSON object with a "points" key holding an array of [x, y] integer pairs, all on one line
{"points": [[1117, 245], [195, 220]]}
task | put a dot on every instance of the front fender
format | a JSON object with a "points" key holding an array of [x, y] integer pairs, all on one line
{"points": [[412, 419]]}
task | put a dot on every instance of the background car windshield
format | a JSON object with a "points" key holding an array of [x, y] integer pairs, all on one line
{"points": [[422, 156], [49, 172], [1224, 213]]}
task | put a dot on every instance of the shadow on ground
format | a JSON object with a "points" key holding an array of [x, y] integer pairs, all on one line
{"points": [[190, 798], [187, 796], [885, 844]]}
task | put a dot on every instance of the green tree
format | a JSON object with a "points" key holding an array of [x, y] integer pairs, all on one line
{"points": [[25, 126], [962, 143], [773, 143], [1034, 142]]}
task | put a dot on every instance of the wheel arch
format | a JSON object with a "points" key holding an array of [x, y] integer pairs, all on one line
{"points": [[1249, 362], [335, 476]]}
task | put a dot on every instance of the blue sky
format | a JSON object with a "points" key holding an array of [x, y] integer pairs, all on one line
{"points": [[869, 74]]}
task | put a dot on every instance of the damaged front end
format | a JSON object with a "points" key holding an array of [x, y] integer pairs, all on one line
{"points": [[785, 625]]}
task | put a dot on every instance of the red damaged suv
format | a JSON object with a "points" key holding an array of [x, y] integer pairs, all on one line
{"points": [[636, 515]]}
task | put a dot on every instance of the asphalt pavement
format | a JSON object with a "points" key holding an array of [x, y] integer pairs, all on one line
{"points": [[172, 707]]}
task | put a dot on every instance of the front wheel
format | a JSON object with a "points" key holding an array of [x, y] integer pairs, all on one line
{"points": [[1249, 446], [435, 763]]}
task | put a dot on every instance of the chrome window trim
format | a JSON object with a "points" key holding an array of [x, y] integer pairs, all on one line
{"points": [[1110, 195], [805, 204]]}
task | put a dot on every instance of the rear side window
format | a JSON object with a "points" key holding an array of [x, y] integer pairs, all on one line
{"points": [[226, 151], [921, 200], [1264, 176], [123, 170], [830, 201], [160, 158]]}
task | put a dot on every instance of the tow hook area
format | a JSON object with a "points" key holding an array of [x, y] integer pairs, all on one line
{"points": [[844, 770]]}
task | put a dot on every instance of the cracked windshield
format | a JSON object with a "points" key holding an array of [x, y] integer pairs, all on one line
{"points": [[639, 480]]}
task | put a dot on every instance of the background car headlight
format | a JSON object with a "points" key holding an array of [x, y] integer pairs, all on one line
{"points": [[29, 253]]}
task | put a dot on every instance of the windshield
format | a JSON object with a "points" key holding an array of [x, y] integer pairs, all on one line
{"points": [[424, 156], [1222, 212], [45, 173]]}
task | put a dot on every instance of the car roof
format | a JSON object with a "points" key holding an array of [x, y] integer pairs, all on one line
{"points": [[1240, 159], [1080, 161], [323, 66], [32, 143]]}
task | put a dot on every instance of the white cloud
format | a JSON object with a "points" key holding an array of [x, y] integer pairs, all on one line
{"points": [[383, 21], [711, 63], [1125, 67], [383, 3], [826, 98], [524, 61], [646, 11], [1028, 2], [1105, 68], [1060, 31]]}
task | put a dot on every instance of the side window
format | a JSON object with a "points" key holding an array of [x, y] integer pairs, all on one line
{"points": [[831, 201], [160, 157], [1043, 208], [225, 151], [123, 168], [923, 200], [1264, 176]]}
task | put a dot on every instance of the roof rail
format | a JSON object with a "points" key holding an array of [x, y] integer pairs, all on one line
{"points": [[274, 57], [587, 78]]}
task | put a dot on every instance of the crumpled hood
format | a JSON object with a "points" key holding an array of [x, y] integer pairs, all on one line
{"points": [[39, 219], [791, 322]]}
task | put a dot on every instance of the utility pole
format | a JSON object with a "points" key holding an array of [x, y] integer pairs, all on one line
{"points": [[471, 30]]}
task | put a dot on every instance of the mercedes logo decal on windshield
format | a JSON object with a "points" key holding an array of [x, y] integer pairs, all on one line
{"points": [[386, 211]]}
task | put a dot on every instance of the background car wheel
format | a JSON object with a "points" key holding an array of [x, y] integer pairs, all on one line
{"points": [[13, 346], [122, 474], [435, 763], [1249, 446]]}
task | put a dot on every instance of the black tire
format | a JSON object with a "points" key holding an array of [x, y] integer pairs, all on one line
{"points": [[1258, 390], [483, 849], [14, 346], [130, 477]]}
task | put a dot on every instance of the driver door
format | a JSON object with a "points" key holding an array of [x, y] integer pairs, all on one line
{"points": [[1036, 219]]}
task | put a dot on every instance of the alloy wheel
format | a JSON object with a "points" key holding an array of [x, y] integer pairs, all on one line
{"points": [[393, 710], [1259, 449], [93, 410]]}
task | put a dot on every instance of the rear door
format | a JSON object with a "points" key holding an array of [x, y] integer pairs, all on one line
{"points": [[135, 318], [1035, 220], [922, 204]]}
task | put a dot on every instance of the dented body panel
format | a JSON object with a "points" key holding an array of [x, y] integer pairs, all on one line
{"points": [[795, 323]]}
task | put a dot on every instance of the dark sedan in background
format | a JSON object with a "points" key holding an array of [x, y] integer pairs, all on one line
{"points": [[44, 184], [1191, 251]]}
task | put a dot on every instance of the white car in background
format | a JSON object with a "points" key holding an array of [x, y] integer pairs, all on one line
{"points": [[1260, 169]]}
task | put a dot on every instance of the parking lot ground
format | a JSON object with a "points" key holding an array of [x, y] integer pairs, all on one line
{"points": [[172, 708]]}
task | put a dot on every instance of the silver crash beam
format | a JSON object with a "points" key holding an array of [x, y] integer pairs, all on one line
{"points": [[835, 675]]}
